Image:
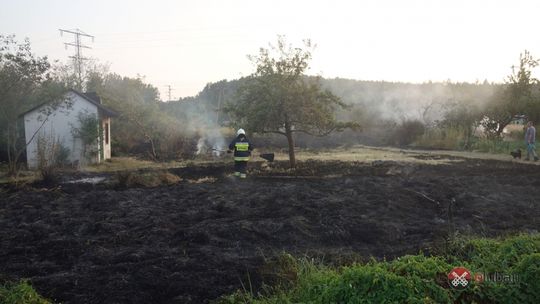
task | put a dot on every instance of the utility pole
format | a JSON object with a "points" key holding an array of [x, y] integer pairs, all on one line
{"points": [[169, 90], [220, 97], [77, 58]]}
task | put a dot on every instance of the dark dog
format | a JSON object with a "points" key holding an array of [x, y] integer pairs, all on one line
{"points": [[516, 153]]}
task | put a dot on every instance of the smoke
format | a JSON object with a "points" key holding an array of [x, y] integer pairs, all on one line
{"points": [[201, 145], [211, 141], [201, 118], [398, 102], [375, 104]]}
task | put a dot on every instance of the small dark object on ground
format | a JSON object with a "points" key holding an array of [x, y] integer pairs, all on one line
{"points": [[516, 153], [268, 156]]}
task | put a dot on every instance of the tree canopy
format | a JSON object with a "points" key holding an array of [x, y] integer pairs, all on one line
{"points": [[280, 98], [515, 98], [25, 80]]}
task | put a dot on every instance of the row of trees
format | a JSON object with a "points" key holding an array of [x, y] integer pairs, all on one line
{"points": [[143, 127], [519, 96], [27, 80], [464, 121], [277, 98]]}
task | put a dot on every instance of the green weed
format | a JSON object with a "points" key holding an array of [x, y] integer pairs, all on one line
{"points": [[413, 278], [20, 293]]}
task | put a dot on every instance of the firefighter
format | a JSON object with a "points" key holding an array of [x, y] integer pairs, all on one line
{"points": [[242, 150]]}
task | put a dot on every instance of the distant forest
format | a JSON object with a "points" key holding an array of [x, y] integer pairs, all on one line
{"points": [[376, 105], [386, 100]]}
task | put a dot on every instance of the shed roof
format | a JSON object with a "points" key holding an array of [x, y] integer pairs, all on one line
{"points": [[91, 97], [94, 98]]}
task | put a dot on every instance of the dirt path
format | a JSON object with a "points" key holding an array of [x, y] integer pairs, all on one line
{"points": [[192, 242]]}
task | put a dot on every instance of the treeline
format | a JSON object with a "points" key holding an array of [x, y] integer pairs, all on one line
{"points": [[437, 115], [448, 115], [142, 127], [444, 115], [27, 80], [383, 109], [386, 100]]}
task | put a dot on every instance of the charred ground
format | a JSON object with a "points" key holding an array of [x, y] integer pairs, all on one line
{"points": [[192, 242]]}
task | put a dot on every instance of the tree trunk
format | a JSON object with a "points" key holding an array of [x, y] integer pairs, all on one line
{"points": [[153, 148], [502, 125], [290, 140], [12, 166]]}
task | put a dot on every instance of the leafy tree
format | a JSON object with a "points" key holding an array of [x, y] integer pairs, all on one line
{"points": [[463, 116], [25, 81], [279, 98], [142, 126], [516, 98]]}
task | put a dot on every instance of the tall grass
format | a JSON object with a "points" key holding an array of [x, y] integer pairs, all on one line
{"points": [[416, 278], [456, 138], [498, 146]]}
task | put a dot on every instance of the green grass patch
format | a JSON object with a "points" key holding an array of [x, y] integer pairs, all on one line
{"points": [[20, 293], [414, 278], [498, 146]]}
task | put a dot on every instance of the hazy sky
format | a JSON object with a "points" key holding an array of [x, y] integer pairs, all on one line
{"points": [[188, 43]]}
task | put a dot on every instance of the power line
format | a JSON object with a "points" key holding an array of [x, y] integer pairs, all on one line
{"points": [[170, 43], [77, 58], [190, 29]]}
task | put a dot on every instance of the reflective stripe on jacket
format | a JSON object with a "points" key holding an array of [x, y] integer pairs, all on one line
{"points": [[241, 147]]}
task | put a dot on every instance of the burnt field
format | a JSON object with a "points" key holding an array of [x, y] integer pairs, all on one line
{"points": [[192, 242]]}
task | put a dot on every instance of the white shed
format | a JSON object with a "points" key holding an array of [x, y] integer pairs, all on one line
{"points": [[58, 127]]}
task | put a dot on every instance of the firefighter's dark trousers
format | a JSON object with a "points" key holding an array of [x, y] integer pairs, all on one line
{"points": [[240, 169]]}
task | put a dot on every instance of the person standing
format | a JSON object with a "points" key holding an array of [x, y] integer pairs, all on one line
{"points": [[242, 151], [530, 137]]}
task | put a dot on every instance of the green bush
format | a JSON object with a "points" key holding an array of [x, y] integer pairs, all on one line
{"points": [[20, 293], [62, 156], [508, 256], [375, 283], [529, 271], [417, 278]]}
